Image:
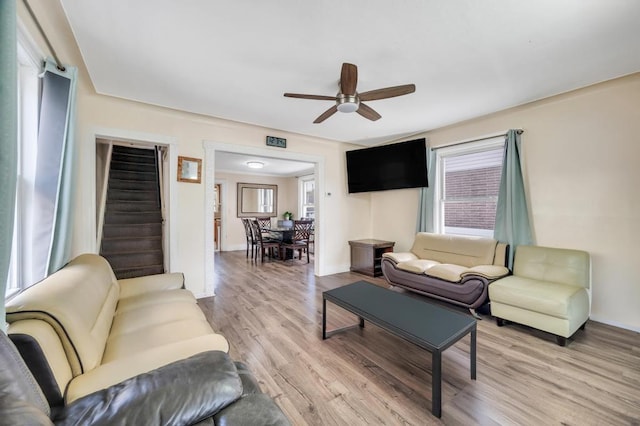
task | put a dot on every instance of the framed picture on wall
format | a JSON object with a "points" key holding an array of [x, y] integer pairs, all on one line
{"points": [[189, 169]]}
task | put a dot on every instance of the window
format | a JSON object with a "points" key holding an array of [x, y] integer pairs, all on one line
{"points": [[307, 197], [29, 66], [468, 182]]}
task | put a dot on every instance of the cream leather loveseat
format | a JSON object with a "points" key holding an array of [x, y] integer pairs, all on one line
{"points": [[453, 268], [92, 331]]}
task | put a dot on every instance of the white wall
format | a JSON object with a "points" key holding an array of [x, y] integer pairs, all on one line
{"points": [[580, 158]]}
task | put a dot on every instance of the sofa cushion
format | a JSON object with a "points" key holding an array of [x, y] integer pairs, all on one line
{"points": [[544, 297], [121, 346], [78, 301], [447, 272], [454, 249], [417, 266], [553, 264], [140, 362], [153, 299]]}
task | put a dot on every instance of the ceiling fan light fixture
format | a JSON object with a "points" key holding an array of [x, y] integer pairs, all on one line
{"points": [[255, 164], [348, 103]]}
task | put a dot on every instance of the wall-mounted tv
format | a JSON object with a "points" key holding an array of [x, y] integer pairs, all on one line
{"points": [[394, 166]]}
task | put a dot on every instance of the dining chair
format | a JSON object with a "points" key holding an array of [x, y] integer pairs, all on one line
{"points": [[301, 233], [248, 231], [263, 244], [264, 222]]}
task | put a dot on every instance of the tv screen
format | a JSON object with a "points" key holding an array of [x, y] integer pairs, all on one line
{"points": [[394, 166]]}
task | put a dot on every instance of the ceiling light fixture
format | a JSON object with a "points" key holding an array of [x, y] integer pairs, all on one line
{"points": [[255, 164]]}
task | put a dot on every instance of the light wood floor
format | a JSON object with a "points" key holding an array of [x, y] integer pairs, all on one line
{"points": [[271, 314]]}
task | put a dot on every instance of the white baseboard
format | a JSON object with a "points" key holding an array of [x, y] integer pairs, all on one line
{"points": [[334, 269], [236, 247], [203, 295], [614, 323]]}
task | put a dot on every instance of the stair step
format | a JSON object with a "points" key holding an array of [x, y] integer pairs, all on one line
{"points": [[134, 167], [131, 195], [131, 206], [132, 175], [136, 259], [148, 185], [138, 272], [136, 230], [130, 218], [119, 149], [134, 158], [128, 244]]}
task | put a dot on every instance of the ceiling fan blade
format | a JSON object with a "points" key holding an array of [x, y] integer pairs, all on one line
{"points": [[368, 112], [387, 92], [328, 113], [315, 97], [348, 79]]}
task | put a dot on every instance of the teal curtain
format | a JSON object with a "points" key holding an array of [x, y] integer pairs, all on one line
{"points": [[426, 200], [54, 184], [512, 216], [8, 138]]}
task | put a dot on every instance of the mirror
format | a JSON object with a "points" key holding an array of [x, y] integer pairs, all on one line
{"points": [[255, 199]]}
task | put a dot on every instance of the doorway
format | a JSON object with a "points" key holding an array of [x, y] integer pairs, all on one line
{"points": [[211, 148], [99, 158]]}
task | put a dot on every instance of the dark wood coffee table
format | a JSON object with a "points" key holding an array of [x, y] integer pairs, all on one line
{"points": [[427, 325]]}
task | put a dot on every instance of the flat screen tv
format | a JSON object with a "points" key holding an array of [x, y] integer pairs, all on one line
{"points": [[394, 166]]}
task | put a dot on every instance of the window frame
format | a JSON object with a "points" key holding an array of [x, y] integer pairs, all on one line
{"points": [[30, 60], [302, 181], [450, 151]]}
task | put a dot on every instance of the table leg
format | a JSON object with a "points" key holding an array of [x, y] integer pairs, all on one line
{"points": [[324, 318], [472, 354], [361, 322], [436, 383]]}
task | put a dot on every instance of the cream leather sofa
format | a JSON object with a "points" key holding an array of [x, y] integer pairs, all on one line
{"points": [[91, 331], [453, 268], [549, 291]]}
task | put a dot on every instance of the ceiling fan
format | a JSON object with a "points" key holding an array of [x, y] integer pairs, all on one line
{"points": [[349, 100]]}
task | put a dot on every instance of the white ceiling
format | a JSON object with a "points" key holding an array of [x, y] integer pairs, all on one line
{"points": [[234, 59], [237, 163]]}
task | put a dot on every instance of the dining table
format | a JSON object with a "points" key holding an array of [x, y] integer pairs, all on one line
{"points": [[284, 234]]}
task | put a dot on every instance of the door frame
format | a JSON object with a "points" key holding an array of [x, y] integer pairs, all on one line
{"points": [[210, 148], [140, 139]]}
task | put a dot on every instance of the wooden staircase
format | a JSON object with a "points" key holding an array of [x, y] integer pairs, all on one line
{"points": [[132, 230]]}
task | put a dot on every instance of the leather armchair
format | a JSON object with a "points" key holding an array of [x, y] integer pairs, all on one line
{"points": [[549, 291]]}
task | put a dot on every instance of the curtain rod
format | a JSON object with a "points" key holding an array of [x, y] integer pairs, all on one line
{"points": [[519, 131], [46, 39]]}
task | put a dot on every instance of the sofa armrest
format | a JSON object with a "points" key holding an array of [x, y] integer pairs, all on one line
{"points": [[399, 257], [135, 286], [490, 272], [183, 392], [501, 254]]}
